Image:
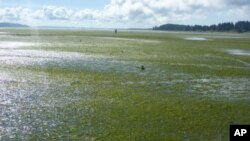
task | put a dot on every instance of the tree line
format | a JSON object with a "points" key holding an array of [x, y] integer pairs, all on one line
{"points": [[240, 26]]}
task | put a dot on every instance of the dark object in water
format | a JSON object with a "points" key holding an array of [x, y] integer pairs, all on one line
{"points": [[80, 40], [142, 67], [115, 31]]}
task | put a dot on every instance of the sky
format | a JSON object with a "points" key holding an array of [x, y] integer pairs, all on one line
{"points": [[122, 13]]}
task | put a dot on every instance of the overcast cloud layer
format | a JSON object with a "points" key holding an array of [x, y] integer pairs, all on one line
{"points": [[133, 12]]}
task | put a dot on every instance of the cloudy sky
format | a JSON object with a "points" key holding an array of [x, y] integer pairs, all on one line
{"points": [[122, 13]]}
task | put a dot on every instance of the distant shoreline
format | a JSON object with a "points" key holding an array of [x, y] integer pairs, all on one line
{"points": [[119, 30], [240, 26]]}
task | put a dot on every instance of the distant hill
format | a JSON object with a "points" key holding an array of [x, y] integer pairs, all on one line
{"points": [[240, 26], [12, 25]]}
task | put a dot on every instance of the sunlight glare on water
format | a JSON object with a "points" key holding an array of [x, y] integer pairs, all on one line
{"points": [[14, 44], [239, 52], [196, 38]]}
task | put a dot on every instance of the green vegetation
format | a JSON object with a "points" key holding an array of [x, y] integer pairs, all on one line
{"points": [[90, 85], [240, 26]]}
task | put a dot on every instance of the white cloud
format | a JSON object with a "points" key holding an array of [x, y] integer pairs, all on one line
{"points": [[56, 13], [14, 14], [87, 14], [133, 12], [241, 13], [153, 12]]}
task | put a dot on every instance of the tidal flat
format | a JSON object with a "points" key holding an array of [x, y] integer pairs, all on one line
{"points": [[101, 86]]}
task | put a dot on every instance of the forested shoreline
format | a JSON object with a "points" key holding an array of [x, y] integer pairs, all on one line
{"points": [[240, 26]]}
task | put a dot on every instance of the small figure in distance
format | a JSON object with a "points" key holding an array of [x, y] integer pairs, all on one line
{"points": [[115, 31]]}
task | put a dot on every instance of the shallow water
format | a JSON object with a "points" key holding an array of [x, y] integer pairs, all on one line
{"points": [[14, 44], [26, 98], [196, 38], [3, 33], [68, 60], [239, 52], [227, 88]]}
